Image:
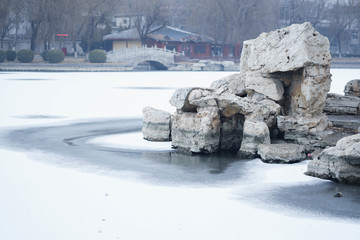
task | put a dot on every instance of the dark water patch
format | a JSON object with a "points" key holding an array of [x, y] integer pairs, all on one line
{"points": [[146, 88], [30, 79], [313, 199], [40, 116], [166, 167]]}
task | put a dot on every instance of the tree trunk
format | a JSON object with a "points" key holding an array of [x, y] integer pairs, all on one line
{"points": [[339, 46], [34, 31]]}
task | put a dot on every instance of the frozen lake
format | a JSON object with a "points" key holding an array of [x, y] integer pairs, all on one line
{"points": [[73, 165]]}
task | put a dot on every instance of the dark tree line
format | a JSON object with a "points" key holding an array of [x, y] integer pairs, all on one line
{"points": [[227, 21]]}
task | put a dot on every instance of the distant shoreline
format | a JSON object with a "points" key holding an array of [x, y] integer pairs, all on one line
{"points": [[80, 65]]}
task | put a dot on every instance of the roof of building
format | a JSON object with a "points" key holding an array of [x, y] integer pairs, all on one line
{"points": [[171, 34], [163, 33], [131, 34]]}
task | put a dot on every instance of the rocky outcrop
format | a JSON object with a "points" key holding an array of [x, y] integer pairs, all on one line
{"points": [[352, 88], [255, 134], [340, 163], [280, 92], [281, 153], [156, 125], [337, 104]]}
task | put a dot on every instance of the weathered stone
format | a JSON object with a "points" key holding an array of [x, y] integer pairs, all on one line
{"points": [[352, 88], [281, 153], [231, 84], [270, 87], [230, 104], [306, 94], [197, 132], [265, 111], [340, 163], [156, 125], [342, 105], [202, 98], [180, 100], [286, 49], [255, 133]]}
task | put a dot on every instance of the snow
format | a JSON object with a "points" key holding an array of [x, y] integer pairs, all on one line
{"points": [[41, 201]]}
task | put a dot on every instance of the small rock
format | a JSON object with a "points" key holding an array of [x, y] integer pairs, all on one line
{"points": [[339, 194]]}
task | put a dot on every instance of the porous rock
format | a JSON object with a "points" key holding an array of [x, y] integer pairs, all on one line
{"points": [[352, 88], [197, 132], [255, 133], [156, 125], [337, 104], [180, 100], [340, 163], [281, 153]]}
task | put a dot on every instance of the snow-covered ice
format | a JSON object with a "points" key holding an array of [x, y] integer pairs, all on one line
{"points": [[40, 199]]}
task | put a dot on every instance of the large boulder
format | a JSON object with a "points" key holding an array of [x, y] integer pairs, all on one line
{"points": [[281, 153], [197, 132], [156, 125], [340, 163], [286, 49], [337, 104], [255, 133], [352, 88], [180, 100]]}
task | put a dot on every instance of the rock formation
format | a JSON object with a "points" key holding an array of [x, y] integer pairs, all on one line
{"points": [[340, 163], [352, 88], [280, 93]]}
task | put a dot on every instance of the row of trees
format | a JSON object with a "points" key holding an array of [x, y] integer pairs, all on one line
{"points": [[227, 21]]}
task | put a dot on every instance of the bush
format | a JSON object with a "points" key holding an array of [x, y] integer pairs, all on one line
{"points": [[44, 55], [2, 55], [97, 56], [10, 55], [55, 56], [25, 55]]}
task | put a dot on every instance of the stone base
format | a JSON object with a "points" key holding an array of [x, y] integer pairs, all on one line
{"points": [[281, 153]]}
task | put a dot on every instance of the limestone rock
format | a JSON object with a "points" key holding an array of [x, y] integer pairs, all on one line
{"points": [[231, 84], [156, 125], [285, 49], [197, 132], [281, 153], [202, 98], [230, 104], [342, 105], [270, 87], [180, 100], [255, 133], [352, 88], [340, 163], [265, 111]]}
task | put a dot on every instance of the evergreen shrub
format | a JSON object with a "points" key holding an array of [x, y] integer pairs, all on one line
{"points": [[44, 55], [2, 56], [55, 56], [10, 55], [25, 55], [97, 56]]}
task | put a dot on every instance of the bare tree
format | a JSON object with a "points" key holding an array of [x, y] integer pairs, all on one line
{"points": [[148, 14], [342, 15], [5, 19]]}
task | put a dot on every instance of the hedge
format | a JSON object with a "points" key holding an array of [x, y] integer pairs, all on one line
{"points": [[55, 56], [25, 55], [44, 55], [2, 55], [97, 56], [10, 55]]}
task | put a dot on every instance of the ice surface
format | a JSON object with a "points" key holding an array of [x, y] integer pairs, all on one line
{"points": [[40, 201]]}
